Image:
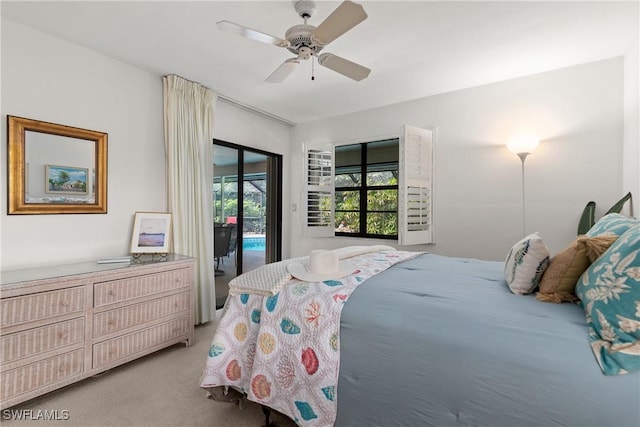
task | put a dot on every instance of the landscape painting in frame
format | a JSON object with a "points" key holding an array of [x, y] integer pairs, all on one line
{"points": [[151, 233], [66, 180]]}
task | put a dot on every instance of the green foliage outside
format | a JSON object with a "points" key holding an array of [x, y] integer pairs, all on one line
{"points": [[381, 223], [254, 211]]}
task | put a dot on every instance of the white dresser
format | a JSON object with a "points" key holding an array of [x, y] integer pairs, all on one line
{"points": [[61, 324]]}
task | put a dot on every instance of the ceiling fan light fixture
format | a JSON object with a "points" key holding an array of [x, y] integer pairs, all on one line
{"points": [[304, 53]]}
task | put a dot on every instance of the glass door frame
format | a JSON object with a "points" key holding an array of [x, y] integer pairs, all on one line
{"points": [[273, 250]]}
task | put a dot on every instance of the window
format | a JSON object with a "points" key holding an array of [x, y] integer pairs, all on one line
{"points": [[381, 189], [366, 189]]}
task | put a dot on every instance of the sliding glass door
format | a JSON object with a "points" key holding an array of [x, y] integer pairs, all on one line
{"points": [[247, 211]]}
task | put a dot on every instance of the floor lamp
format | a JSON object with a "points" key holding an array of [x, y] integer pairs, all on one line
{"points": [[523, 146]]}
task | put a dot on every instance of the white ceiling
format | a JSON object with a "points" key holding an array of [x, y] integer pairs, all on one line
{"points": [[414, 48]]}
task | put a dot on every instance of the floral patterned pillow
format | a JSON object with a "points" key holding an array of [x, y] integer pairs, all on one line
{"points": [[612, 224], [610, 294]]}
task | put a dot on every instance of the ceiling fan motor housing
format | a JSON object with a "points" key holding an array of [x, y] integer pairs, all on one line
{"points": [[301, 41]]}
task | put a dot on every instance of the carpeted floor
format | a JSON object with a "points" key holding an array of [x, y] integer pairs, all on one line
{"points": [[158, 390]]}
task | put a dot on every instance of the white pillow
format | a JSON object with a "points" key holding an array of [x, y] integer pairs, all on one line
{"points": [[526, 262]]}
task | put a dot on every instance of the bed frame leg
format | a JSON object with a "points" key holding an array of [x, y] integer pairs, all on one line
{"points": [[267, 413]]}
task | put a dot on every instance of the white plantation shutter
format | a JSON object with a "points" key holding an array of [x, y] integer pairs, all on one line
{"points": [[415, 187], [318, 212]]}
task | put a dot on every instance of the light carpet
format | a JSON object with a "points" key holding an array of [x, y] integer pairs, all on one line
{"points": [[158, 390]]}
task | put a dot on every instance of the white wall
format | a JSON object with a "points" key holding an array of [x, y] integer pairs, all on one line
{"points": [[631, 156], [576, 112], [46, 78]]}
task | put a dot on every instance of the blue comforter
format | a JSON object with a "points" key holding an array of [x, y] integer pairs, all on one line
{"points": [[441, 341]]}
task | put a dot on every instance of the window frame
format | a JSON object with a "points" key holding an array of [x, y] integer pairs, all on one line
{"points": [[363, 190], [415, 187]]}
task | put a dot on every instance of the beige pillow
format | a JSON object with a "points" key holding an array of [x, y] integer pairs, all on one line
{"points": [[559, 280]]}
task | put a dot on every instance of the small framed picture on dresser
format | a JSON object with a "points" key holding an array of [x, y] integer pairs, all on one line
{"points": [[151, 233]]}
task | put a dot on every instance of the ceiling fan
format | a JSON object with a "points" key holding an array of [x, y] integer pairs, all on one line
{"points": [[306, 41]]}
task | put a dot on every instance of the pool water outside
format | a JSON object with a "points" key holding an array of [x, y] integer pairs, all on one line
{"points": [[253, 243]]}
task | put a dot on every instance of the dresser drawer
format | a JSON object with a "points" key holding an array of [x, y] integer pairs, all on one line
{"points": [[40, 340], [30, 308], [138, 314], [140, 341], [110, 292], [40, 374]]}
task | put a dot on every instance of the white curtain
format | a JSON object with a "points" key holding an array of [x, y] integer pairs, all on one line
{"points": [[188, 140]]}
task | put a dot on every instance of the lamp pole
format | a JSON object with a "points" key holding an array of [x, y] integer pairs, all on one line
{"points": [[523, 146], [523, 157]]}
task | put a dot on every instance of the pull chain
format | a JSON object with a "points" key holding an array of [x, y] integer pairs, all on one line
{"points": [[313, 69]]}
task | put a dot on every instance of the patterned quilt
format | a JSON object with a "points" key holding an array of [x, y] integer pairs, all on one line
{"points": [[270, 278], [283, 350]]}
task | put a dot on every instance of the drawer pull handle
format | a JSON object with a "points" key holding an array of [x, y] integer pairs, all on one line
{"points": [[64, 303]]}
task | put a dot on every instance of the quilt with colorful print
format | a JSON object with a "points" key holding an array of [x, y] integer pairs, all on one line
{"points": [[283, 350]]}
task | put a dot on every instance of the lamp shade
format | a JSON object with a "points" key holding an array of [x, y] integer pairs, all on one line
{"points": [[523, 144]]}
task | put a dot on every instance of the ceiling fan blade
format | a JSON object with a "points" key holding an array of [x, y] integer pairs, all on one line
{"points": [[343, 66], [345, 17], [283, 71], [241, 30]]}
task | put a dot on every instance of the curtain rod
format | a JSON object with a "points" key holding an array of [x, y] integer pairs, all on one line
{"points": [[251, 109]]}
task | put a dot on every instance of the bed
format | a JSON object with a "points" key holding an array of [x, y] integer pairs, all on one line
{"points": [[442, 341]]}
